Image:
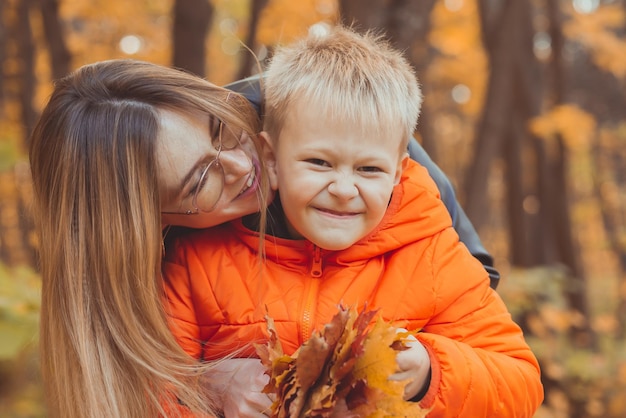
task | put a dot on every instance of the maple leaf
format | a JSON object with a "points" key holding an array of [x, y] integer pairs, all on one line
{"points": [[342, 370]]}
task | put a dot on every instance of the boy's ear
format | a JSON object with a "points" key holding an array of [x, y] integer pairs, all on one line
{"points": [[269, 159], [402, 165]]}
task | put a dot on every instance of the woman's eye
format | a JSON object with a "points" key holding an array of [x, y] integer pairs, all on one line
{"points": [[317, 161], [199, 182], [214, 131], [192, 191]]}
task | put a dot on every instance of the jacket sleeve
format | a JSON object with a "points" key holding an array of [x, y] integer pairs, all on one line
{"points": [[481, 365], [178, 302]]}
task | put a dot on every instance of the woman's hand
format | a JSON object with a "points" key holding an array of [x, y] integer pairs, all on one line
{"points": [[414, 365], [239, 383]]}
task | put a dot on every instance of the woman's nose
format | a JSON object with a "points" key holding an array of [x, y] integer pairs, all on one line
{"points": [[236, 163], [343, 187]]}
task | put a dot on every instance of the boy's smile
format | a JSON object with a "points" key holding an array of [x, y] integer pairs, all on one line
{"points": [[335, 181], [337, 213]]}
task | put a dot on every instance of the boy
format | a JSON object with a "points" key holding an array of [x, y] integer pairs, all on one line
{"points": [[355, 223]]}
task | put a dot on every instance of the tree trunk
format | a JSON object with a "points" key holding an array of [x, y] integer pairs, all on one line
{"points": [[557, 198], [26, 57], [3, 56], [526, 103], [24, 202], [53, 30], [566, 248], [192, 21], [516, 191], [499, 41], [249, 60], [364, 14]]}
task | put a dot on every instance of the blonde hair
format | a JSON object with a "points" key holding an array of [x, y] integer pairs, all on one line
{"points": [[106, 349], [358, 78]]}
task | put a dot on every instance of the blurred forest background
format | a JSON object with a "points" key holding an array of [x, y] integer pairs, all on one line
{"points": [[525, 110]]}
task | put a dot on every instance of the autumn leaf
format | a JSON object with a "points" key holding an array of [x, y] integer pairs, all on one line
{"points": [[343, 370], [598, 32], [576, 126]]}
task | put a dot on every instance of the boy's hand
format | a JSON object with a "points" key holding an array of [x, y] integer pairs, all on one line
{"points": [[414, 365], [239, 382]]}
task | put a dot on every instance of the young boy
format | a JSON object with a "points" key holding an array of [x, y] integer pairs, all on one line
{"points": [[357, 223]]}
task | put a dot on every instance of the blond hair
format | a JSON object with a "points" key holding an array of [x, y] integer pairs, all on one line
{"points": [[357, 78], [106, 349]]}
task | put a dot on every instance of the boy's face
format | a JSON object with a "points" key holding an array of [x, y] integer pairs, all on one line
{"points": [[334, 182]]}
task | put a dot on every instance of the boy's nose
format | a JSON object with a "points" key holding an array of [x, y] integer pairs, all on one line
{"points": [[343, 187], [236, 163]]}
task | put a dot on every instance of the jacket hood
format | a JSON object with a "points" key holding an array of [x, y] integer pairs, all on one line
{"points": [[415, 212]]}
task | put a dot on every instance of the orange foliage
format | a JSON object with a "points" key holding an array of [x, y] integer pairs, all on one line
{"points": [[456, 35], [96, 27], [282, 21], [597, 32], [343, 361], [573, 124]]}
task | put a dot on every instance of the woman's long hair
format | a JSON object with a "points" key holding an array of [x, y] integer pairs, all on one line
{"points": [[106, 349]]}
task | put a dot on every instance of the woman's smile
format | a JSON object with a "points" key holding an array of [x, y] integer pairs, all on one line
{"points": [[252, 182]]}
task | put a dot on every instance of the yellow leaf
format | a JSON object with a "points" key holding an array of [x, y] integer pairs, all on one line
{"points": [[283, 21], [573, 124], [375, 366], [378, 361], [597, 33]]}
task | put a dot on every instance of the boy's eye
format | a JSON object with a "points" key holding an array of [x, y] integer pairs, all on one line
{"points": [[371, 169], [317, 161]]}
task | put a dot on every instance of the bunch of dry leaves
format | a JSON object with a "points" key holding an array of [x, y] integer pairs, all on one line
{"points": [[341, 371]]}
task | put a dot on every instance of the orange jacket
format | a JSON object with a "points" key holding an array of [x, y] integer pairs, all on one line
{"points": [[412, 268]]}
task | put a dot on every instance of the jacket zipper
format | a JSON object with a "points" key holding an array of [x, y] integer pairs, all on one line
{"points": [[311, 295]]}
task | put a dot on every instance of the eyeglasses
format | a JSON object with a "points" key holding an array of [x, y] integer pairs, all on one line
{"points": [[210, 186]]}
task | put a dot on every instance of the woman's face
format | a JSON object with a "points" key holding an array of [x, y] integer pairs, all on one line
{"points": [[197, 190]]}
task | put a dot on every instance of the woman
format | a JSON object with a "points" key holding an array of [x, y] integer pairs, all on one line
{"points": [[119, 144], [123, 148]]}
